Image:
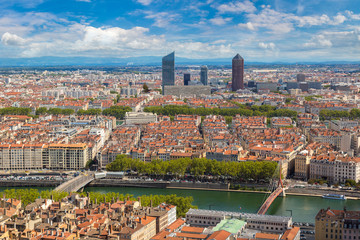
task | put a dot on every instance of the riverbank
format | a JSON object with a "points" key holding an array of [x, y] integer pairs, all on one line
{"points": [[106, 182], [310, 192], [32, 183], [316, 192]]}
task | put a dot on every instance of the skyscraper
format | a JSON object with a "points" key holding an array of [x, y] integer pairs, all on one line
{"points": [[237, 73], [204, 75], [168, 70], [187, 78], [300, 77]]}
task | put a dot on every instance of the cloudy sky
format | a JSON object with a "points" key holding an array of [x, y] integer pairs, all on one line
{"points": [[260, 30]]}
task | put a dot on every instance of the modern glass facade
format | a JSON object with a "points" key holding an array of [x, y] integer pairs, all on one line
{"points": [[187, 78], [168, 70], [204, 75]]}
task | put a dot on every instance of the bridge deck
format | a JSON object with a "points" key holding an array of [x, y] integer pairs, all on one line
{"points": [[76, 183], [270, 200]]}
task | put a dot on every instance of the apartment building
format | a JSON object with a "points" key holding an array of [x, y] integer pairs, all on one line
{"points": [[277, 122], [338, 125], [326, 136], [67, 156], [337, 224], [20, 157], [335, 168], [140, 118], [302, 165], [268, 223]]}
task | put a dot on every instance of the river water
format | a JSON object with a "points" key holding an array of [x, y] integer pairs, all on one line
{"points": [[304, 208]]}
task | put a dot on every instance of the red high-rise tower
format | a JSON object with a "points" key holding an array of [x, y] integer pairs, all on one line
{"points": [[237, 73]]}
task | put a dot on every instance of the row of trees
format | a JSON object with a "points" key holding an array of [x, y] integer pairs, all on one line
{"points": [[265, 110], [335, 114], [243, 171], [116, 111], [183, 204], [15, 111], [27, 196]]}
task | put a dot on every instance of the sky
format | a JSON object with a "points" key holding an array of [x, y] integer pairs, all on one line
{"points": [[259, 30]]}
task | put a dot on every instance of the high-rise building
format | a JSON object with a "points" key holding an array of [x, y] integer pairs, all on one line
{"points": [[237, 73], [187, 78], [204, 75], [168, 70], [300, 77]]}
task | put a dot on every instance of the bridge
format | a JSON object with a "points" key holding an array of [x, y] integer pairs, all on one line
{"points": [[76, 183], [276, 191]]}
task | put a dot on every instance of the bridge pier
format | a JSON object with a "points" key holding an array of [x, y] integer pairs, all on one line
{"points": [[283, 194]]}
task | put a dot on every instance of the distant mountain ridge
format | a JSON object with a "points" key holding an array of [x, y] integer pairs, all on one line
{"points": [[136, 61]]}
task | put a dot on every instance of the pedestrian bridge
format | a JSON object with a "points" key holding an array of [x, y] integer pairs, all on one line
{"points": [[277, 191], [76, 183]]}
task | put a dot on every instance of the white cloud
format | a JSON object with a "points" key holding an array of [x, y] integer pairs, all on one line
{"points": [[319, 41], [220, 21], [352, 16], [338, 19], [247, 25], [145, 2], [267, 46], [9, 39], [83, 1], [280, 23], [237, 7], [275, 21], [311, 20], [162, 19], [22, 3]]}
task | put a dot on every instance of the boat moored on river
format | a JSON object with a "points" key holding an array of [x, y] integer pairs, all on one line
{"points": [[334, 196]]}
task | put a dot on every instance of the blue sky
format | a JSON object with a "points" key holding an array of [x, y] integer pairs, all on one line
{"points": [[260, 30]]}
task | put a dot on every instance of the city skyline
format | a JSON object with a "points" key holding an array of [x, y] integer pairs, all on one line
{"points": [[275, 30]]}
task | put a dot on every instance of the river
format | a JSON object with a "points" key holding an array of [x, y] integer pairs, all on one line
{"points": [[304, 208]]}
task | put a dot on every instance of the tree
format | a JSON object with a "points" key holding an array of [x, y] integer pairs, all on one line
{"points": [[117, 111], [288, 100], [350, 183], [146, 88], [15, 111], [41, 111]]}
